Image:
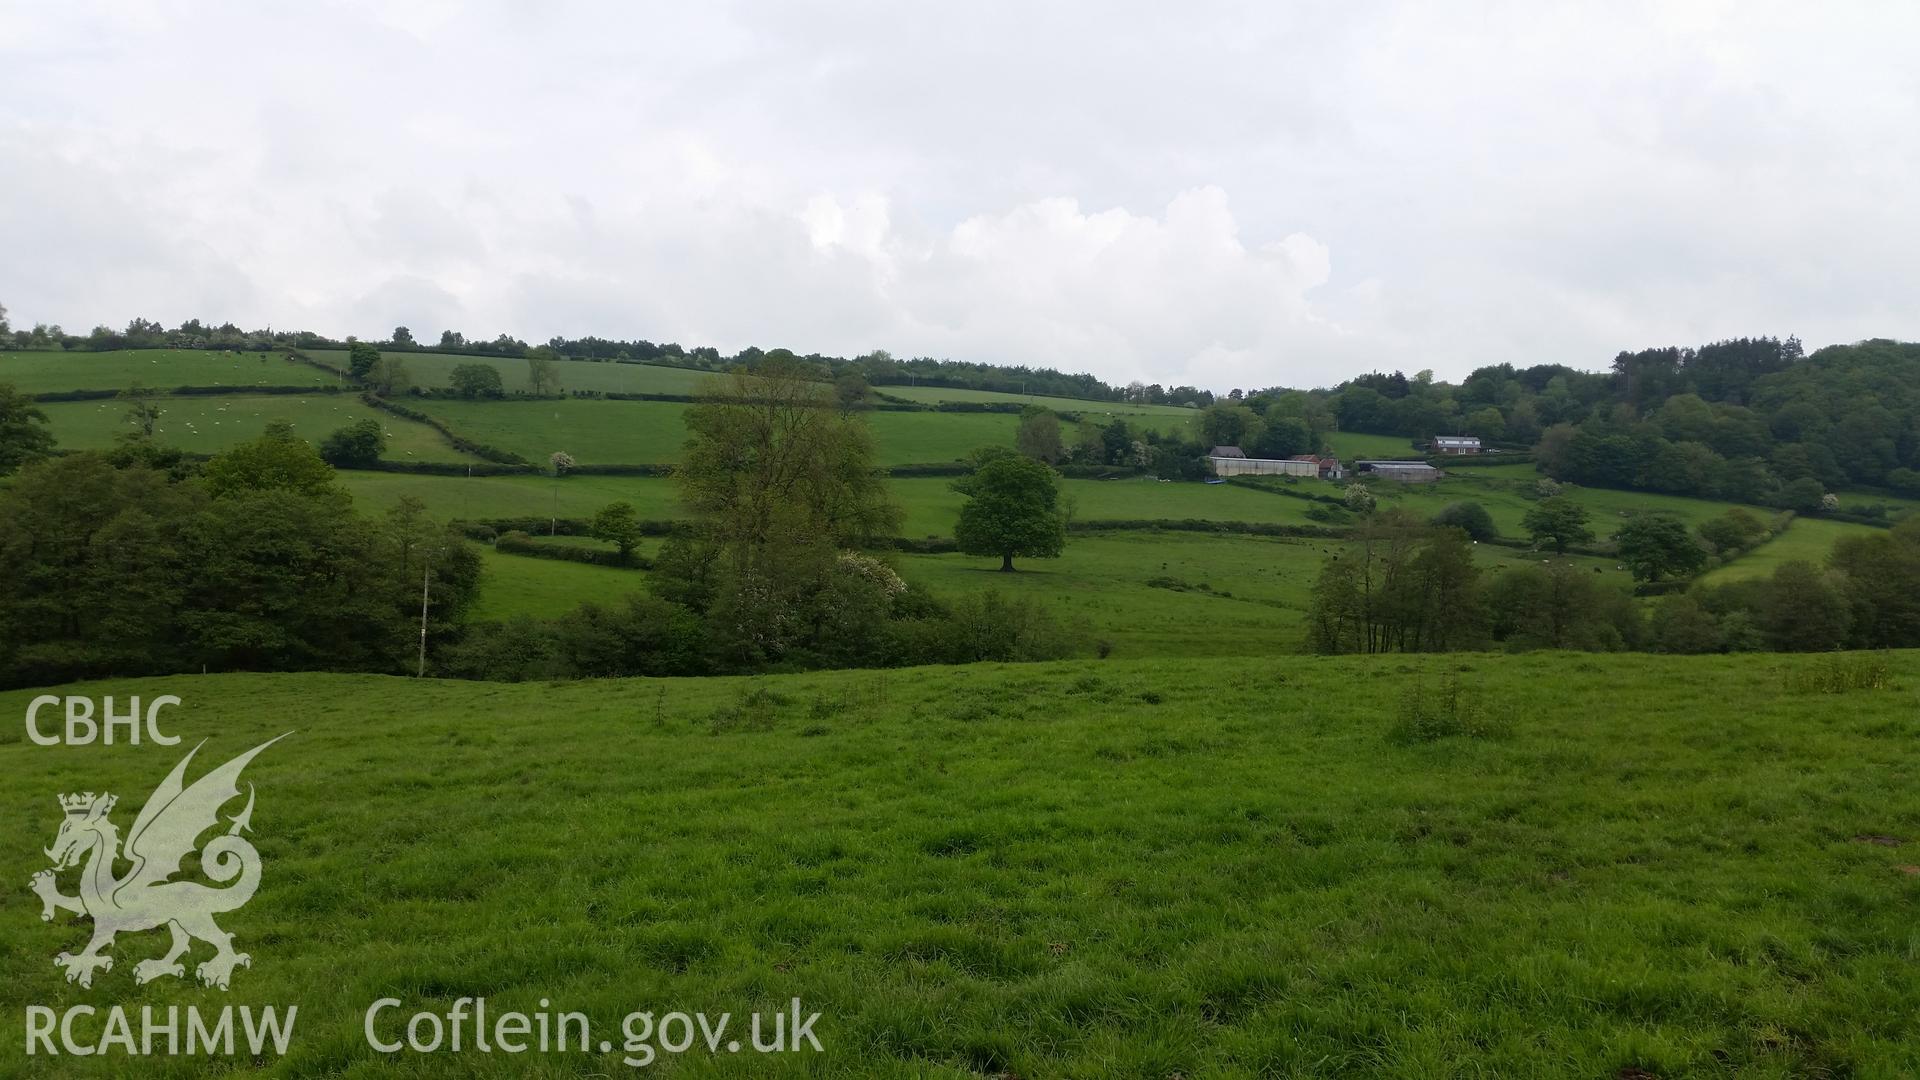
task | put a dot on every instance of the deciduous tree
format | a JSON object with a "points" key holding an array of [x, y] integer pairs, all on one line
{"points": [[1012, 509], [1658, 545], [618, 524], [472, 381], [1557, 521], [23, 430]]}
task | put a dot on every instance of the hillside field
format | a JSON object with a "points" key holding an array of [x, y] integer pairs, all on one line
{"points": [[206, 425], [161, 369], [1191, 867], [1350, 446], [653, 432], [1807, 540], [436, 370], [935, 394], [1137, 593]]}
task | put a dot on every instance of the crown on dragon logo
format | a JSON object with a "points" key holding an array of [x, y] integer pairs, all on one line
{"points": [[77, 804]]}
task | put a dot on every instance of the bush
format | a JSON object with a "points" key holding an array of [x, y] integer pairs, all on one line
{"points": [[1470, 517], [355, 446], [1840, 675], [989, 626]]}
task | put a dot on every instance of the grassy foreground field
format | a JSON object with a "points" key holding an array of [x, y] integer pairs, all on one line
{"points": [[1195, 868]]}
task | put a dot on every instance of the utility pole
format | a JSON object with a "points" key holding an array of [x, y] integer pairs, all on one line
{"points": [[426, 568]]}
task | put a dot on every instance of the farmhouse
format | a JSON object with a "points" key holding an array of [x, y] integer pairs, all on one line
{"points": [[1233, 461], [1329, 467], [1456, 444], [1406, 472]]}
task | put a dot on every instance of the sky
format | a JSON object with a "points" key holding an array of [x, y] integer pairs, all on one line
{"points": [[1221, 195]]}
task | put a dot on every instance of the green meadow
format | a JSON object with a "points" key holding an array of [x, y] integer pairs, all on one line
{"points": [[653, 432], [205, 425], [1352, 445], [164, 369], [1184, 867], [518, 585], [487, 497], [1806, 540], [936, 394]]}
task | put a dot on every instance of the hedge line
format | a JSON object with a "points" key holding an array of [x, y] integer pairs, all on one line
{"points": [[488, 528], [1250, 528], [1469, 461], [447, 468], [1254, 483], [519, 543], [458, 441]]}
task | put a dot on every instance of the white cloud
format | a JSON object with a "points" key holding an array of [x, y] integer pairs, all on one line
{"points": [[1221, 194]]}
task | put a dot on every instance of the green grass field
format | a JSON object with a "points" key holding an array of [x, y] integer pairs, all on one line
{"points": [[209, 424], [519, 585], [161, 369], [487, 497], [1507, 499], [1192, 867], [1145, 593], [935, 394], [931, 504], [1807, 540], [653, 432], [1352, 445]]}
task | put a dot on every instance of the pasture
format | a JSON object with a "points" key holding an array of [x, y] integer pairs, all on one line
{"points": [[1352, 445], [160, 369], [488, 497], [937, 394], [653, 432], [1194, 867], [205, 425], [1806, 540], [519, 585]]}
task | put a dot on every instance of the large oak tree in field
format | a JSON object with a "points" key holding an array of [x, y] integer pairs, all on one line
{"points": [[1012, 508]]}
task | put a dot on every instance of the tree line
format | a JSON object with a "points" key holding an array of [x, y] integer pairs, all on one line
{"points": [[137, 562], [141, 561], [1407, 585]]}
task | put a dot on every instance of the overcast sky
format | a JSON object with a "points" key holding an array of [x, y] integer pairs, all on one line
{"points": [[1226, 195]]}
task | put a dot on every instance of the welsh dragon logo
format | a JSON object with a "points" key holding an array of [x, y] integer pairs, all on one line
{"points": [[144, 898]]}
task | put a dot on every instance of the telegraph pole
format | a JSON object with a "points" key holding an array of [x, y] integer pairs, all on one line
{"points": [[426, 568]]}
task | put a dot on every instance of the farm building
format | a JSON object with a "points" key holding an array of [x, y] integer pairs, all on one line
{"points": [[1456, 444], [1406, 472], [1329, 467], [1233, 461]]}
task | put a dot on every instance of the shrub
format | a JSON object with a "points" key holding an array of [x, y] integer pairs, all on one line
{"points": [[355, 446], [1470, 517], [1451, 712], [1840, 675]]}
